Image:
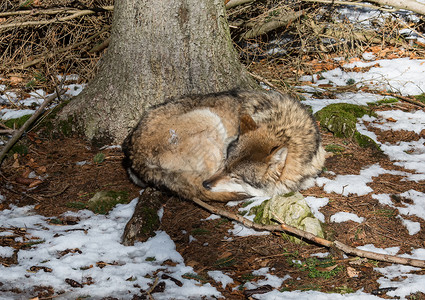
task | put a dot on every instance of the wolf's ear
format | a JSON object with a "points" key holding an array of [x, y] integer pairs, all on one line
{"points": [[247, 124], [277, 159]]}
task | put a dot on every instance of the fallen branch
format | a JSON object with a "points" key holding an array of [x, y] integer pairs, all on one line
{"points": [[411, 5], [24, 127], [268, 25], [311, 237], [76, 14], [7, 131], [234, 3], [351, 3], [402, 98], [34, 12]]}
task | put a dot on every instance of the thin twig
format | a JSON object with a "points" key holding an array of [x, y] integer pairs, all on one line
{"points": [[402, 98], [24, 127], [49, 54], [77, 14], [311, 237], [7, 131]]}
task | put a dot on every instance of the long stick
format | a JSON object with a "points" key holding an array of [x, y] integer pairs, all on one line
{"points": [[24, 127], [311, 237], [76, 14]]}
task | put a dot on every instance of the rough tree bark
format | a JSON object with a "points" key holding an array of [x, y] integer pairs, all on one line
{"points": [[158, 49]]}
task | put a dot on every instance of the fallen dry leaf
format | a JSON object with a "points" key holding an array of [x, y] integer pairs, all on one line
{"points": [[35, 183], [351, 272], [15, 80], [327, 269], [41, 170]]}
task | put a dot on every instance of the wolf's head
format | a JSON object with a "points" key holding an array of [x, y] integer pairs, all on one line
{"points": [[254, 161]]}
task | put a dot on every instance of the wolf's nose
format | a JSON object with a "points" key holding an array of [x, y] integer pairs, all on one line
{"points": [[206, 184]]}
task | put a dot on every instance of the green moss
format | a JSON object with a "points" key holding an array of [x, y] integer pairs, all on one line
{"points": [[350, 81], [383, 102], [66, 126], [150, 258], [99, 158], [52, 128], [102, 202], [16, 123], [76, 205], [334, 148], [200, 231], [421, 98], [151, 220], [341, 118], [225, 262], [19, 148], [365, 141], [344, 290], [318, 268], [258, 211]]}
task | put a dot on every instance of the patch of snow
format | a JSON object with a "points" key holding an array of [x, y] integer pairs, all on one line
{"points": [[307, 295], [372, 248], [70, 77], [400, 277], [354, 184], [417, 208], [98, 238], [411, 226], [74, 89], [6, 251], [270, 279], [360, 98], [384, 199], [220, 277], [409, 155], [410, 121], [8, 113], [369, 56], [211, 217], [240, 230], [320, 254], [345, 216], [315, 204]]}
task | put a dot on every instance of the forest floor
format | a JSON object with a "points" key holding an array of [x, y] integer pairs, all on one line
{"points": [[208, 245], [51, 246]]}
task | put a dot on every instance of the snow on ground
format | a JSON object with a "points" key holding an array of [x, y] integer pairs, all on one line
{"points": [[97, 238], [35, 98]]}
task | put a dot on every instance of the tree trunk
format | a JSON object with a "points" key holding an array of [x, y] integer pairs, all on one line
{"points": [[158, 49]]}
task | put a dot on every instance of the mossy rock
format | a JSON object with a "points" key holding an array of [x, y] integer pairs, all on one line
{"points": [[365, 141], [102, 202], [341, 119], [291, 209]]}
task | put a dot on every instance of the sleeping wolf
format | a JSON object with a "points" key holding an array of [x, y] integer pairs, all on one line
{"points": [[226, 146]]}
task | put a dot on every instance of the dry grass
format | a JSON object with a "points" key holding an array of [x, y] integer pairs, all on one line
{"points": [[40, 51], [280, 56]]}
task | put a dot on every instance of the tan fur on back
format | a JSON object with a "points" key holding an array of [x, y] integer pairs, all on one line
{"points": [[182, 145]]}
